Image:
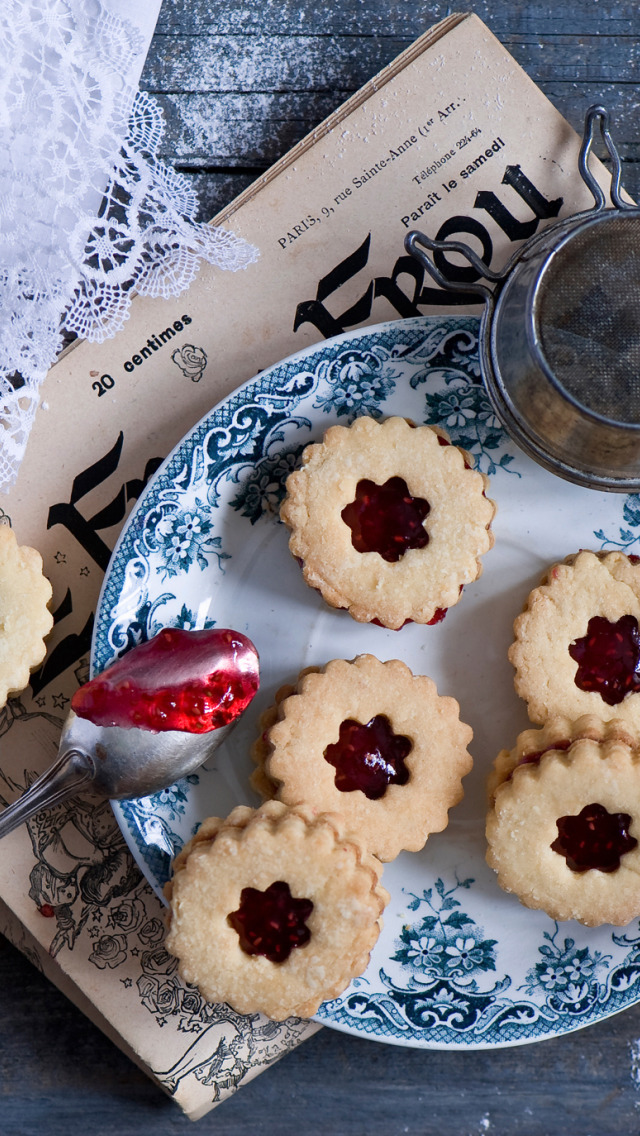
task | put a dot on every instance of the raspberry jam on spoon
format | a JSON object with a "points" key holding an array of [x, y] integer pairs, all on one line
{"points": [[153, 717], [194, 681]]}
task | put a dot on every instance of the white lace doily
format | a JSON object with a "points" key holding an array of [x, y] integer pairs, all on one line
{"points": [[88, 215]]}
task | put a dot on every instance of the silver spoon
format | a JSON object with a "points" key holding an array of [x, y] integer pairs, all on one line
{"points": [[118, 761], [113, 761]]}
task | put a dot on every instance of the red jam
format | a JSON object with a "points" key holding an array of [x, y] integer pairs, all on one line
{"points": [[437, 616], [194, 681], [536, 758], [369, 757], [594, 838], [386, 519], [379, 624], [608, 658], [272, 922]]}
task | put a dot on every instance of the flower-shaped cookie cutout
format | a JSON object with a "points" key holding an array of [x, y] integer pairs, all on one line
{"points": [[577, 643], [25, 618], [563, 831], [274, 910], [372, 741], [388, 520]]}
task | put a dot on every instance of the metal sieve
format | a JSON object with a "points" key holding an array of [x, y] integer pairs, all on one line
{"points": [[560, 333]]}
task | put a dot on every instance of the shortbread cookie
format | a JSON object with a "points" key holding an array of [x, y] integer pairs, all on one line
{"points": [[264, 785], [558, 733], [373, 742], [388, 520], [577, 643], [274, 911], [260, 750], [25, 618], [563, 831]]}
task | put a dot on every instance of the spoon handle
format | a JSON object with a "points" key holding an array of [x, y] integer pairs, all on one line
{"points": [[69, 772]]}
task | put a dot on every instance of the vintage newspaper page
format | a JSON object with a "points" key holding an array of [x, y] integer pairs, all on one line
{"points": [[453, 138]]}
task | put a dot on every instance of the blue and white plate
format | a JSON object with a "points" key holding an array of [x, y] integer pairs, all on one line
{"points": [[459, 964]]}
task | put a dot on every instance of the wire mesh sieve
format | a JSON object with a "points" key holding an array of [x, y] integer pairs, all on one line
{"points": [[560, 334], [588, 318]]}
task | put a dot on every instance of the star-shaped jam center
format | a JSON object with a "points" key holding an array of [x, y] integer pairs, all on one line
{"points": [[594, 838], [272, 922], [608, 658], [386, 519], [369, 757]]}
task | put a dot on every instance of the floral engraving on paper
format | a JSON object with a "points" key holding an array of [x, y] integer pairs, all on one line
{"points": [[191, 361], [90, 893]]}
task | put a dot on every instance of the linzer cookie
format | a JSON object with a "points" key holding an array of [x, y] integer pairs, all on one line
{"points": [[577, 643], [564, 823], [558, 733], [388, 520], [372, 741], [25, 618], [274, 911], [260, 750]]}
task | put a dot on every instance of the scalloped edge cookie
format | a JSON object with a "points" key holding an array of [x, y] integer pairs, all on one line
{"points": [[521, 827], [25, 618], [425, 581], [556, 613], [290, 750], [558, 733], [255, 848]]}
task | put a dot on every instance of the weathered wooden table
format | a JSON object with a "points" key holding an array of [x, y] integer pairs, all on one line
{"points": [[240, 82]]}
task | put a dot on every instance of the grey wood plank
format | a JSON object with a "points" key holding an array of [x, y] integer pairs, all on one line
{"points": [[60, 1076], [238, 102], [226, 130], [285, 62], [216, 189], [301, 62], [397, 17]]}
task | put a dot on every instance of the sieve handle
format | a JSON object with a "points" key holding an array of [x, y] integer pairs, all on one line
{"points": [[417, 243], [598, 117]]}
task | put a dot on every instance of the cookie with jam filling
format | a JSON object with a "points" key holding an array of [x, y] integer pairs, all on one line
{"points": [[371, 741], [388, 520], [274, 910], [564, 821], [577, 642], [559, 733]]}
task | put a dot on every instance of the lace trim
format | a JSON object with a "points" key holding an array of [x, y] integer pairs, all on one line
{"points": [[72, 255]]}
